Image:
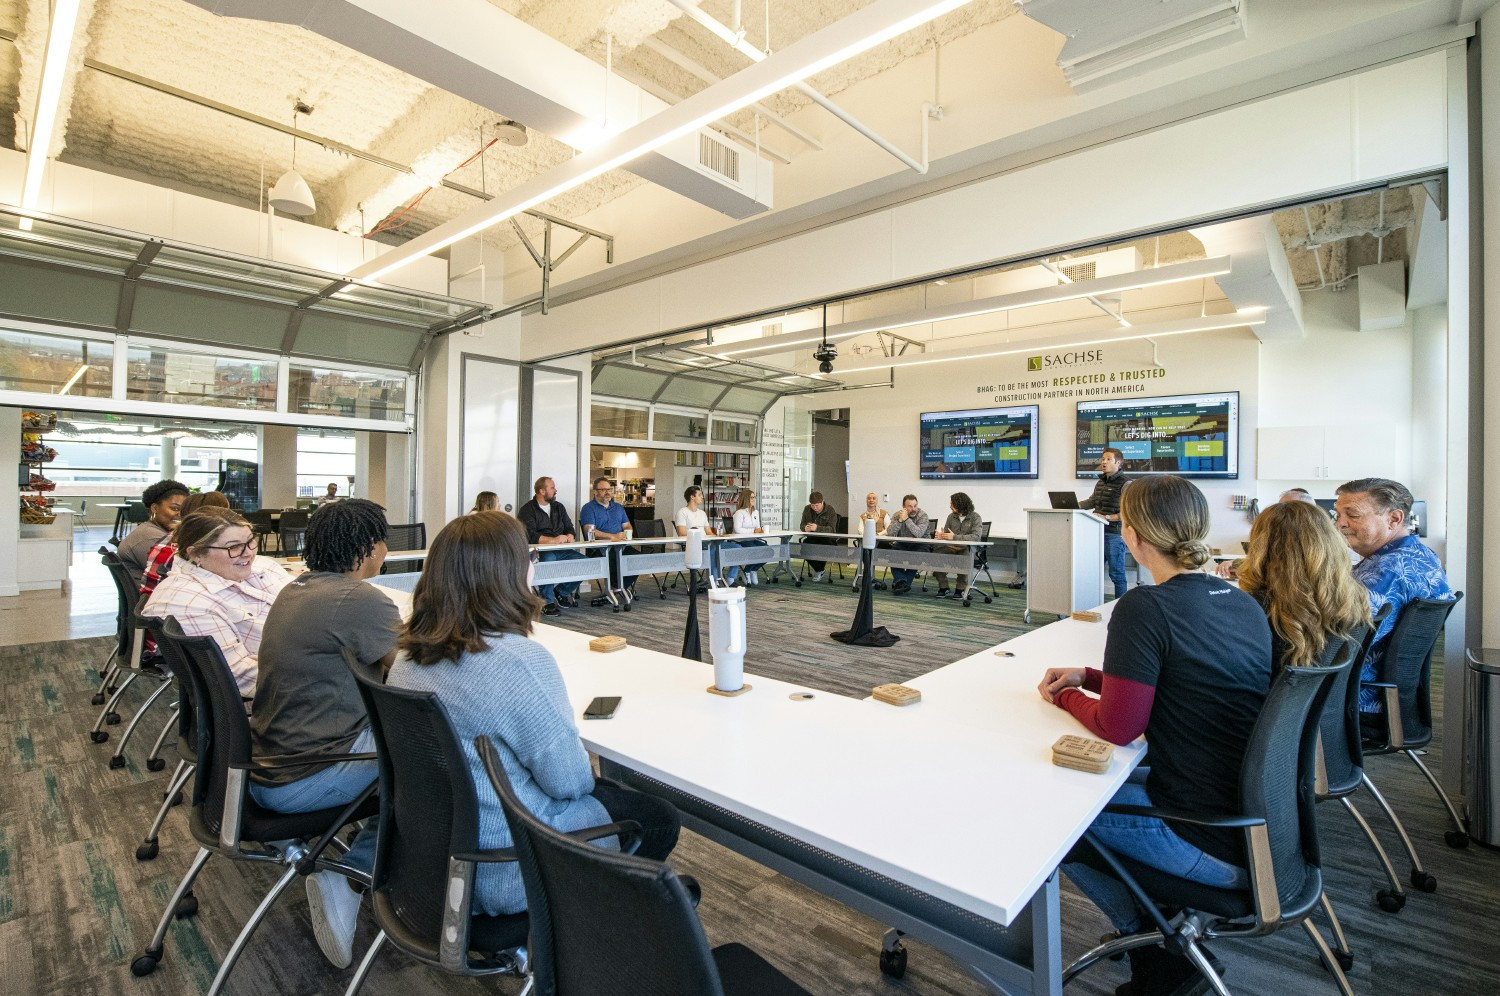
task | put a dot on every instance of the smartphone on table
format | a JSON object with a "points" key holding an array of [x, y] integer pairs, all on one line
{"points": [[603, 707]]}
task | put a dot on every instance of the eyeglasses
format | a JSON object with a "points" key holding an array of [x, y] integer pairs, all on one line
{"points": [[234, 549]]}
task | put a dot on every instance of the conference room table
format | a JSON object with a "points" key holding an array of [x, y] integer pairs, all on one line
{"points": [[945, 819]]}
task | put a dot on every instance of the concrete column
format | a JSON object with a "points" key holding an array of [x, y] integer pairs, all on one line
{"points": [[370, 466], [278, 465], [398, 477], [168, 457]]}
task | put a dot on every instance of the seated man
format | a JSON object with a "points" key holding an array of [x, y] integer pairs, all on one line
{"points": [[163, 501], [818, 516], [1397, 566], [609, 521], [547, 523], [307, 701], [692, 516], [909, 521]]}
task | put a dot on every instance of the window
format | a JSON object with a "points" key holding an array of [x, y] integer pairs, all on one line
{"points": [[50, 364], [347, 393], [617, 421], [324, 456], [160, 373], [671, 427]]}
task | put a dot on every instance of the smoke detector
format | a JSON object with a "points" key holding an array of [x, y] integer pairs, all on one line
{"points": [[513, 133]]}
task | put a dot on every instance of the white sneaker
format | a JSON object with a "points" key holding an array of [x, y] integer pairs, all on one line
{"points": [[754, 578], [820, 577], [334, 907]]}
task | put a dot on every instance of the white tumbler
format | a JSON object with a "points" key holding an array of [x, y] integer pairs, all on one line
{"points": [[868, 539], [694, 552], [726, 637]]}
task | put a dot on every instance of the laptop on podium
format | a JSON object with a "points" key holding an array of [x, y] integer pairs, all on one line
{"points": [[1063, 499]]}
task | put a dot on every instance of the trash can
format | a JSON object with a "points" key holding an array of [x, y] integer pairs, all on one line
{"points": [[1484, 745]]}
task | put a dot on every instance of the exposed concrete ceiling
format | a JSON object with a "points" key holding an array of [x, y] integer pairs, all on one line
{"points": [[1327, 243]]}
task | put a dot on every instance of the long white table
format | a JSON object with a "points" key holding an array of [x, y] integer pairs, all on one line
{"points": [[945, 819]]}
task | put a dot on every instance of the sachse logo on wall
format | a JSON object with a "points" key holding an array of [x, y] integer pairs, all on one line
{"points": [[1069, 358]]}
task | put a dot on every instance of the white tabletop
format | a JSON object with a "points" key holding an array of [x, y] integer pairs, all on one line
{"points": [[955, 796]]}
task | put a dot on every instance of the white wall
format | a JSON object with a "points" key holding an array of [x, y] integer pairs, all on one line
{"points": [[883, 438]]}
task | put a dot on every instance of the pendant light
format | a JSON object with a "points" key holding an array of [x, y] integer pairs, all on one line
{"points": [[292, 195]]}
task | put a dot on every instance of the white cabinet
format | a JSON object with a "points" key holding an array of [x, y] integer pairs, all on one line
{"points": [[42, 561], [1330, 452]]}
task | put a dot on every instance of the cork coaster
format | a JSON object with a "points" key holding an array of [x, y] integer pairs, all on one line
{"points": [[729, 695], [896, 695], [1082, 754], [607, 644], [1084, 616]]}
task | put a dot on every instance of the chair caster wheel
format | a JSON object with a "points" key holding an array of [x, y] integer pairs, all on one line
{"points": [[147, 851], [966, 603], [155, 763], [799, 584], [112, 719], [1423, 880], [893, 963], [143, 966], [116, 761], [988, 600], [187, 907], [98, 736], [1391, 902], [98, 699], [1345, 960], [1456, 838], [177, 798]]}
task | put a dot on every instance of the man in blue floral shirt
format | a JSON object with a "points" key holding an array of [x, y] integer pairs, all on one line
{"points": [[1397, 566]]}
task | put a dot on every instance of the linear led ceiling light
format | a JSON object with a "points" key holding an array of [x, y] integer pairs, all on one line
{"points": [[1077, 290], [48, 97], [1181, 326], [863, 30]]}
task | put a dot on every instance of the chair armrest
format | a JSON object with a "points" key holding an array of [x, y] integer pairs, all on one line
{"points": [[1195, 819], [1376, 684], [301, 762], [622, 829], [488, 855], [1395, 726], [309, 862]]}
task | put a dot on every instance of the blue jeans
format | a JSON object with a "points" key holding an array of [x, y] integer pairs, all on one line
{"points": [[334, 785], [1114, 559], [734, 572], [566, 588], [901, 575], [1150, 841]]}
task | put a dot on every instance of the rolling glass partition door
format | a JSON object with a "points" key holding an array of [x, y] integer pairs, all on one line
{"points": [[556, 415], [488, 450]]}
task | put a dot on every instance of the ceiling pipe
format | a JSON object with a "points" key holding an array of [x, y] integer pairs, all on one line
{"points": [[739, 44]]}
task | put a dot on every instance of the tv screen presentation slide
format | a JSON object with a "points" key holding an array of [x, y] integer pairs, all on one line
{"points": [[980, 443], [1190, 435]]}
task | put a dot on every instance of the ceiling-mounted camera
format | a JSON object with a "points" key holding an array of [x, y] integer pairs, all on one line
{"points": [[825, 354]]}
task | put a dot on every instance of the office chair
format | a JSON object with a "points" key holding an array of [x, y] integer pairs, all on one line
{"points": [[225, 820], [292, 530], [1281, 836], [186, 724], [981, 563], [129, 660], [263, 526], [1405, 688], [427, 851], [612, 922]]}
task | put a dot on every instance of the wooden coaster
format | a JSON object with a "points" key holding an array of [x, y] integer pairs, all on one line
{"points": [[1082, 754], [729, 695], [1084, 616], [607, 644], [896, 695]]}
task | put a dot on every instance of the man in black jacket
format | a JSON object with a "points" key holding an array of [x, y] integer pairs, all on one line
{"points": [[1105, 502], [547, 523]]}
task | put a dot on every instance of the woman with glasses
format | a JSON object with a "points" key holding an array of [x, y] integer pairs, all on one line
{"points": [[468, 642], [219, 588]]}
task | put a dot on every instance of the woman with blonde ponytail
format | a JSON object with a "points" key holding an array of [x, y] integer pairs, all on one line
{"points": [[1298, 569], [1188, 663]]}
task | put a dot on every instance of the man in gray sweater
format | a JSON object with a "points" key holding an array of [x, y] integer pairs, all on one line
{"points": [[909, 521]]}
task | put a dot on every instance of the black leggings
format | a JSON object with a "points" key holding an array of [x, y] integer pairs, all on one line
{"points": [[658, 817]]}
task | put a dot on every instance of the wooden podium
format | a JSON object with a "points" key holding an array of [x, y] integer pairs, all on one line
{"points": [[1065, 553]]}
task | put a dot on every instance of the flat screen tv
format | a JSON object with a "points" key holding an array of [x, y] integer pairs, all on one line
{"points": [[1190, 435], [980, 443]]}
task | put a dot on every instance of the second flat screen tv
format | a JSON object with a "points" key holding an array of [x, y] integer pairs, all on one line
{"points": [[978, 443], [1189, 435]]}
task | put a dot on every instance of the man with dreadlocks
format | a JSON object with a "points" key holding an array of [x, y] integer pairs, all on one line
{"points": [[307, 702]]}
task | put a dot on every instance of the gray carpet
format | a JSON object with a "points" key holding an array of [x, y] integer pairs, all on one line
{"points": [[76, 907]]}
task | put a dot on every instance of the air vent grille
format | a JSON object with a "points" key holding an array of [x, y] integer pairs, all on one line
{"points": [[718, 157], [1079, 271]]}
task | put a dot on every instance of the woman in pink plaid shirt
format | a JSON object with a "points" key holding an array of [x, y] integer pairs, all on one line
{"points": [[219, 588]]}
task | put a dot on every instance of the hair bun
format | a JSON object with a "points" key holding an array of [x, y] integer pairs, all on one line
{"points": [[1192, 554]]}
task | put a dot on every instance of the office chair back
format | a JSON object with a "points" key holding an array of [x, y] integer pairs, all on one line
{"points": [[293, 527], [224, 737], [982, 553], [136, 513], [1338, 726], [429, 814], [1408, 662], [412, 536], [1276, 780], [726, 525], [841, 524], [603, 921], [650, 528], [127, 595], [191, 698]]}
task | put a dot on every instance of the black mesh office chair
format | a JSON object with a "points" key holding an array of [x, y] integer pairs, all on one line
{"points": [[224, 819], [422, 887], [652, 529], [185, 721], [292, 528], [1281, 836], [611, 922], [408, 536], [262, 525], [128, 662], [1405, 688], [981, 565]]}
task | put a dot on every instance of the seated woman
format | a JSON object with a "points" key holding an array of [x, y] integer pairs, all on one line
{"points": [[963, 524], [159, 560], [1187, 662], [219, 588], [1298, 569], [747, 523], [468, 642], [307, 701]]}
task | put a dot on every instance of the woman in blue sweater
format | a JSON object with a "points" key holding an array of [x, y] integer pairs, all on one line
{"points": [[468, 642]]}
